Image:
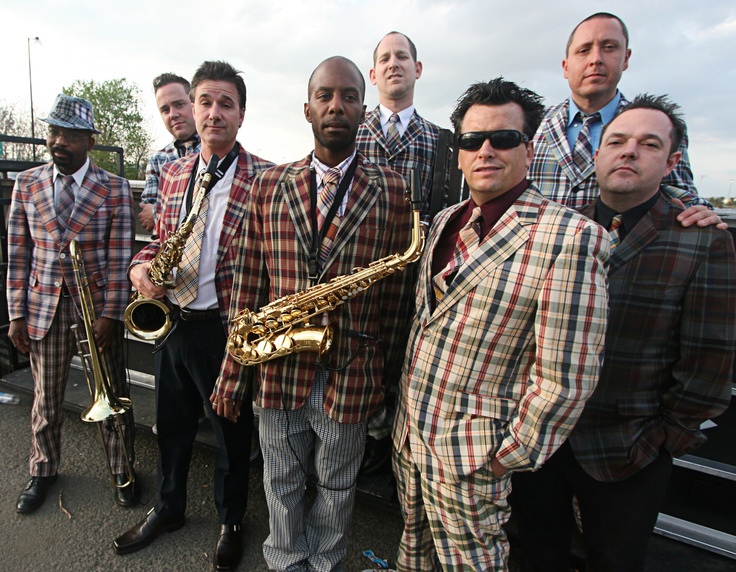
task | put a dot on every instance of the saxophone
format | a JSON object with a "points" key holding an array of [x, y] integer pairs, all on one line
{"points": [[282, 327], [148, 318]]}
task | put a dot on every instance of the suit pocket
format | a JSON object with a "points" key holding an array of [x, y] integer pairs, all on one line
{"points": [[479, 405]]}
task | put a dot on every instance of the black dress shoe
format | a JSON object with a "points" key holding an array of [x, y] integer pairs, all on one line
{"points": [[146, 531], [376, 456], [229, 548], [34, 494], [126, 496]]}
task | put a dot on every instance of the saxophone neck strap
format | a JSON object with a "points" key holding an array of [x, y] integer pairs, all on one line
{"points": [[317, 235], [222, 168]]}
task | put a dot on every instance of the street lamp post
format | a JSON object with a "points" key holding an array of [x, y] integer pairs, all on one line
{"points": [[30, 85]]}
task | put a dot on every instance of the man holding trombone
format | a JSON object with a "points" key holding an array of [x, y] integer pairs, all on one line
{"points": [[52, 205]]}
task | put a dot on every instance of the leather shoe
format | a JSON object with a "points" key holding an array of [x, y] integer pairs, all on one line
{"points": [[377, 453], [126, 496], [34, 494], [146, 531], [229, 549]]}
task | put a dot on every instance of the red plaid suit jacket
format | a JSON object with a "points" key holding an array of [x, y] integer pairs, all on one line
{"points": [[504, 363], [669, 348], [38, 254], [273, 262], [172, 190]]}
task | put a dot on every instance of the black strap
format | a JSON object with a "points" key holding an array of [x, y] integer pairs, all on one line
{"points": [[318, 235], [222, 168]]}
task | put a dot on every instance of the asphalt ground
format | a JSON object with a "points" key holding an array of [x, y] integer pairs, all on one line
{"points": [[75, 527]]}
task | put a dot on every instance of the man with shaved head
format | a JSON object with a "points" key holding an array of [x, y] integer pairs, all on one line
{"points": [[309, 222]]}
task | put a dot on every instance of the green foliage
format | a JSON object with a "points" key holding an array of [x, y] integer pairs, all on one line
{"points": [[117, 107]]}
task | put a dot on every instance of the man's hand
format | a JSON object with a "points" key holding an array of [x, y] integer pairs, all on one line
{"points": [[146, 215], [227, 408], [498, 469], [104, 329], [139, 278], [18, 334], [700, 215]]}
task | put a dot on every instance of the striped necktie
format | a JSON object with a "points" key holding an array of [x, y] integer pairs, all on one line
{"points": [[467, 241], [187, 277], [392, 134], [65, 201], [330, 180], [615, 231], [582, 153]]}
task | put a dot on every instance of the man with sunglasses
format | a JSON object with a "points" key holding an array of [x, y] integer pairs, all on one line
{"points": [[596, 56], [68, 199], [506, 343]]}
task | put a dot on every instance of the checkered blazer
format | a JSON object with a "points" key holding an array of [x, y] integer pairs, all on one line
{"points": [[417, 149], [174, 183], [559, 179], [274, 262], [38, 249], [669, 348], [505, 362]]}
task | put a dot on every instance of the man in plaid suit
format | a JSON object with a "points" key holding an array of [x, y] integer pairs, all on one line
{"points": [[667, 365], [175, 107], [506, 344], [596, 56], [68, 199], [188, 362], [314, 411], [414, 147]]}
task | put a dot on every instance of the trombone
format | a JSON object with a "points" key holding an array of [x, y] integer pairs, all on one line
{"points": [[105, 404]]}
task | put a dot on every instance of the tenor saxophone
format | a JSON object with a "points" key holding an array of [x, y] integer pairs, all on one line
{"points": [[282, 327], [148, 318]]}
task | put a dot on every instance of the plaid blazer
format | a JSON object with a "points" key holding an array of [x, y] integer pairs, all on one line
{"points": [[174, 183], [559, 179], [505, 362], [669, 348], [274, 263], [38, 248], [417, 149]]}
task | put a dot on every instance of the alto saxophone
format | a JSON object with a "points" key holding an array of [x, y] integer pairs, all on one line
{"points": [[148, 318], [282, 327]]}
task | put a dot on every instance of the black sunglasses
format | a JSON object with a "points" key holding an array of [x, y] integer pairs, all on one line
{"points": [[500, 139]]}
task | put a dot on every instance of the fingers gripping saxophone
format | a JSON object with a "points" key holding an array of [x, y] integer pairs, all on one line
{"points": [[282, 327]]}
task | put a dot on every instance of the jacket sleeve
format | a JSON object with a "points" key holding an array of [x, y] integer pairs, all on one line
{"points": [[701, 378], [570, 324], [120, 249], [19, 253]]}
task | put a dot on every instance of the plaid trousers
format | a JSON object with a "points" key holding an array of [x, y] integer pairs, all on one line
{"points": [[451, 526], [50, 361]]}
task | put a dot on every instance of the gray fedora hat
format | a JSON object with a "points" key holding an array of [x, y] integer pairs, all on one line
{"points": [[72, 113]]}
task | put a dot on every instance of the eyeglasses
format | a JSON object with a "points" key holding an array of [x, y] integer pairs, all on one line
{"points": [[500, 139], [70, 135]]}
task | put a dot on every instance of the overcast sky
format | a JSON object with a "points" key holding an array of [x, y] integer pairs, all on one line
{"points": [[684, 48]]}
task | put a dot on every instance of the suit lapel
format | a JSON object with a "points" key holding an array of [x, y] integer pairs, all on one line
{"points": [[42, 194], [298, 200], [93, 193], [555, 131], [413, 130], [639, 237]]}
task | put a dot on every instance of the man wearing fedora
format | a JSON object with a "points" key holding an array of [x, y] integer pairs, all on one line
{"points": [[68, 199]]}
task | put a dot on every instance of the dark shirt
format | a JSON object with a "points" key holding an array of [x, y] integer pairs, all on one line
{"points": [[604, 214]]}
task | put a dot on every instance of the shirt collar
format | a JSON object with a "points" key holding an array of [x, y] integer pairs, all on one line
{"points": [[78, 176], [604, 214], [320, 168], [404, 115], [607, 111]]}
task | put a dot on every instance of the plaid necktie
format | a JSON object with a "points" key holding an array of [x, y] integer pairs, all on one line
{"points": [[615, 231], [187, 278], [326, 196], [65, 202], [467, 240], [392, 134], [582, 153]]}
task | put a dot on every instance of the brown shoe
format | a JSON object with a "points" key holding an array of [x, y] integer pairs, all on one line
{"points": [[146, 531]]}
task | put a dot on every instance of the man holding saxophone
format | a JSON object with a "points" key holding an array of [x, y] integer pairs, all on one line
{"points": [[188, 363], [69, 199]]}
